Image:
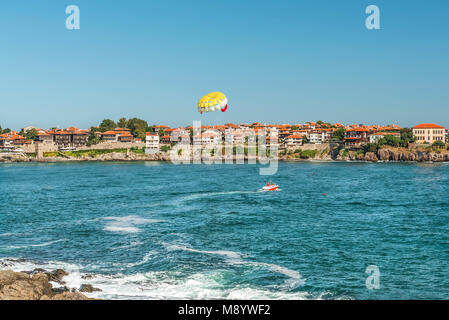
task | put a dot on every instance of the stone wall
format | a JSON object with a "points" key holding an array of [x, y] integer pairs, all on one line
{"points": [[113, 145], [312, 146], [45, 147], [51, 147]]}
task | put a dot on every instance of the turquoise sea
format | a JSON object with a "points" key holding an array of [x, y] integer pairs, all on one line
{"points": [[153, 230]]}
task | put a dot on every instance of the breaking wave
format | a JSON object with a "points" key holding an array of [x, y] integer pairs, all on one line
{"points": [[153, 285]]}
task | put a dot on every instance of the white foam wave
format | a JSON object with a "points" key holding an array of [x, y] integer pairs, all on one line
{"points": [[9, 234], [132, 220], [126, 224], [124, 229], [26, 265], [294, 277], [162, 285], [45, 244], [144, 260], [130, 245], [171, 285]]}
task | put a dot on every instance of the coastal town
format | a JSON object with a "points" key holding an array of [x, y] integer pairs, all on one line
{"points": [[139, 137]]}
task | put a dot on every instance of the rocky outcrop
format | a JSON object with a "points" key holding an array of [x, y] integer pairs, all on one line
{"points": [[370, 156], [386, 154], [392, 154], [14, 158], [35, 286]]}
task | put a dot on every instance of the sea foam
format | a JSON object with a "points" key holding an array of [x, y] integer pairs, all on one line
{"points": [[126, 224], [163, 285], [294, 277]]}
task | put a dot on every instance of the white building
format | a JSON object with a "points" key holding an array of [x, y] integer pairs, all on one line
{"points": [[151, 143], [293, 141], [208, 137], [317, 137], [379, 135]]}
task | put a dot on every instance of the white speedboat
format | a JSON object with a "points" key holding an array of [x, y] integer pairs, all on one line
{"points": [[270, 187]]}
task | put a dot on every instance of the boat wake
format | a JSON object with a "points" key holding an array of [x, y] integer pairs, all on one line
{"points": [[201, 195], [262, 190]]}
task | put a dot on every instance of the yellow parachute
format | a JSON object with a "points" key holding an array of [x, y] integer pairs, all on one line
{"points": [[213, 101]]}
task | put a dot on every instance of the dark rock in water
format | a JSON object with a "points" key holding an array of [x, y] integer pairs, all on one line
{"points": [[10, 262], [88, 288], [87, 276], [57, 276], [61, 290]]}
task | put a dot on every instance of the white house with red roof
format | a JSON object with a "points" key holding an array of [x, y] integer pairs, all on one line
{"points": [[429, 133]]}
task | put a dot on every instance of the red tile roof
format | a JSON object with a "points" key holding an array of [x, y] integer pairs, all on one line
{"points": [[428, 126]]}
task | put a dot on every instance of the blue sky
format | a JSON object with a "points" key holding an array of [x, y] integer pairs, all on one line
{"points": [[277, 61]]}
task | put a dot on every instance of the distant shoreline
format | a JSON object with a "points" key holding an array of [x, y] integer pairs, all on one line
{"points": [[2, 161], [320, 153]]}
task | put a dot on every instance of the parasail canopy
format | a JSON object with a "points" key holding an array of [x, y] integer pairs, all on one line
{"points": [[212, 102]]}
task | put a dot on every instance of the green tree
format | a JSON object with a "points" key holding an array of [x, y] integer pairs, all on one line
{"points": [[390, 141], [107, 124], [371, 147], [122, 123], [305, 140], [294, 127], [138, 127], [438, 144], [339, 134], [92, 138], [165, 148], [31, 134], [306, 154], [407, 137]]}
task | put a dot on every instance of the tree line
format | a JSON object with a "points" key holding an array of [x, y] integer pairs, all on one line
{"points": [[138, 128]]}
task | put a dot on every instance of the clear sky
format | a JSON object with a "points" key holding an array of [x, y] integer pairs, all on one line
{"points": [[277, 61]]}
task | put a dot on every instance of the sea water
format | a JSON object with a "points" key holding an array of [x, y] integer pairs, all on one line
{"points": [[154, 230]]}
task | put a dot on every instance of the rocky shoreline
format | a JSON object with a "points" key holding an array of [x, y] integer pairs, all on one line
{"points": [[395, 155], [338, 155], [38, 285]]}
